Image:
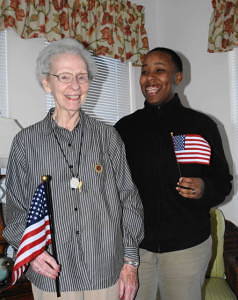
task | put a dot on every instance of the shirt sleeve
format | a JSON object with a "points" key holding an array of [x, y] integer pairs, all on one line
{"points": [[16, 184], [132, 218], [218, 178]]}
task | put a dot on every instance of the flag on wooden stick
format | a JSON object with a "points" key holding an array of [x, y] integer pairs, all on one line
{"points": [[37, 234]]}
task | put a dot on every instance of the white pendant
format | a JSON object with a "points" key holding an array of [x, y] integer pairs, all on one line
{"points": [[75, 183]]}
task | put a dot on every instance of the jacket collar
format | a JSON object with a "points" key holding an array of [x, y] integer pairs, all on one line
{"points": [[173, 103]]}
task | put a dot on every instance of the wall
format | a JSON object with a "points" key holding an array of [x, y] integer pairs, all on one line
{"points": [[26, 98]]}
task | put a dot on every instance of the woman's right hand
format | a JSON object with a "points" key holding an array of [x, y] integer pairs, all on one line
{"points": [[45, 265]]}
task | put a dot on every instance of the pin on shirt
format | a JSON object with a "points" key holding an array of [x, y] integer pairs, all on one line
{"points": [[98, 168]]}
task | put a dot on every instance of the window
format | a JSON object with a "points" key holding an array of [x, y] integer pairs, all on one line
{"points": [[109, 94], [3, 75], [233, 80], [233, 65]]}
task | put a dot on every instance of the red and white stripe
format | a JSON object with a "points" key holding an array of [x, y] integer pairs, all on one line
{"points": [[196, 150], [34, 241]]}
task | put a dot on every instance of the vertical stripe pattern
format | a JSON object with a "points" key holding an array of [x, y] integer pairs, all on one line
{"points": [[95, 227]]}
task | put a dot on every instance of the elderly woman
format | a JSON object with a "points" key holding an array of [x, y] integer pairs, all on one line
{"points": [[97, 210]]}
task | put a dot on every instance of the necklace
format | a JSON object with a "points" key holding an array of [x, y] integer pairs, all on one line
{"points": [[75, 182]]}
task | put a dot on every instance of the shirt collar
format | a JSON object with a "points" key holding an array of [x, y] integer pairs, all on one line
{"points": [[51, 124]]}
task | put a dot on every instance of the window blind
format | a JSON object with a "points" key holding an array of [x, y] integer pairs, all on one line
{"points": [[233, 68], [109, 96], [109, 93], [3, 75]]}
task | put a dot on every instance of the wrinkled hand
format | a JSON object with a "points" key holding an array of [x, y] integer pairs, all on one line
{"points": [[46, 265], [190, 187], [128, 282]]}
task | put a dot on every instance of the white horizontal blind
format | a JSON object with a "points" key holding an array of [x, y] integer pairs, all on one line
{"points": [[233, 80], [109, 93], [3, 75], [233, 64]]}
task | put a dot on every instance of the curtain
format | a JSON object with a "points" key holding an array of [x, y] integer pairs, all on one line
{"points": [[113, 28], [223, 29]]}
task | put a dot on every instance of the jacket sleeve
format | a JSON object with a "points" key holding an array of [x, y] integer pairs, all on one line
{"points": [[16, 184], [218, 178], [132, 216]]}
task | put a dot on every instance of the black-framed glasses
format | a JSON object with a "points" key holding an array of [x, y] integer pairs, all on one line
{"points": [[69, 77]]}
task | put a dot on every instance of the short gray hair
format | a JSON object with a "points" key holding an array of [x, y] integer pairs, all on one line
{"points": [[66, 45]]}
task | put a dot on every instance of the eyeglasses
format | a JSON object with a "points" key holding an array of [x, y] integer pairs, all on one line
{"points": [[69, 77]]}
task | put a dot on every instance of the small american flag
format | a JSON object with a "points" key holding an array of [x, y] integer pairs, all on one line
{"points": [[36, 236], [191, 149]]}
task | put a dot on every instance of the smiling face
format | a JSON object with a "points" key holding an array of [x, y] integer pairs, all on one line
{"points": [[68, 96], [159, 77]]}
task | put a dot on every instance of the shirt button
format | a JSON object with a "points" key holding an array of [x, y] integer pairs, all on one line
{"points": [[76, 208], [69, 144], [71, 166], [77, 231]]}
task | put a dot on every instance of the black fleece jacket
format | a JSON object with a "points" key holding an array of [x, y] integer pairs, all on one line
{"points": [[171, 221]]}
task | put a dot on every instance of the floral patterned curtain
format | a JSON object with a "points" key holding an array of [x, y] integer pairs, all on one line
{"points": [[114, 28], [223, 29]]}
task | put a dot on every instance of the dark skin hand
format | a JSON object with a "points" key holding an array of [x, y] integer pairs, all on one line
{"points": [[190, 187]]}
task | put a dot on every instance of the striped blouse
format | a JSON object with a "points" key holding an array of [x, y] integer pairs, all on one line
{"points": [[95, 227]]}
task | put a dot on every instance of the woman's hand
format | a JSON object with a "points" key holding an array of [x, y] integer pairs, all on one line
{"points": [[190, 187], [46, 265], [128, 282]]}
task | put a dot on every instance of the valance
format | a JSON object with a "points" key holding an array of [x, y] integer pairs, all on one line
{"points": [[113, 28], [223, 29]]}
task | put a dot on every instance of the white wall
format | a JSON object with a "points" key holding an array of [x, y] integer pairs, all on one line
{"points": [[181, 25], [26, 98]]}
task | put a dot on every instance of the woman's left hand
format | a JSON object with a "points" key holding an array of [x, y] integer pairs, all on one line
{"points": [[190, 187], [128, 282]]}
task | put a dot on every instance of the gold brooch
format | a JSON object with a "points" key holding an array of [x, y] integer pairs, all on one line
{"points": [[98, 168]]}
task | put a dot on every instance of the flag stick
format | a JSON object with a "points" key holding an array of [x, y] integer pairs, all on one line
{"points": [[46, 181]]}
